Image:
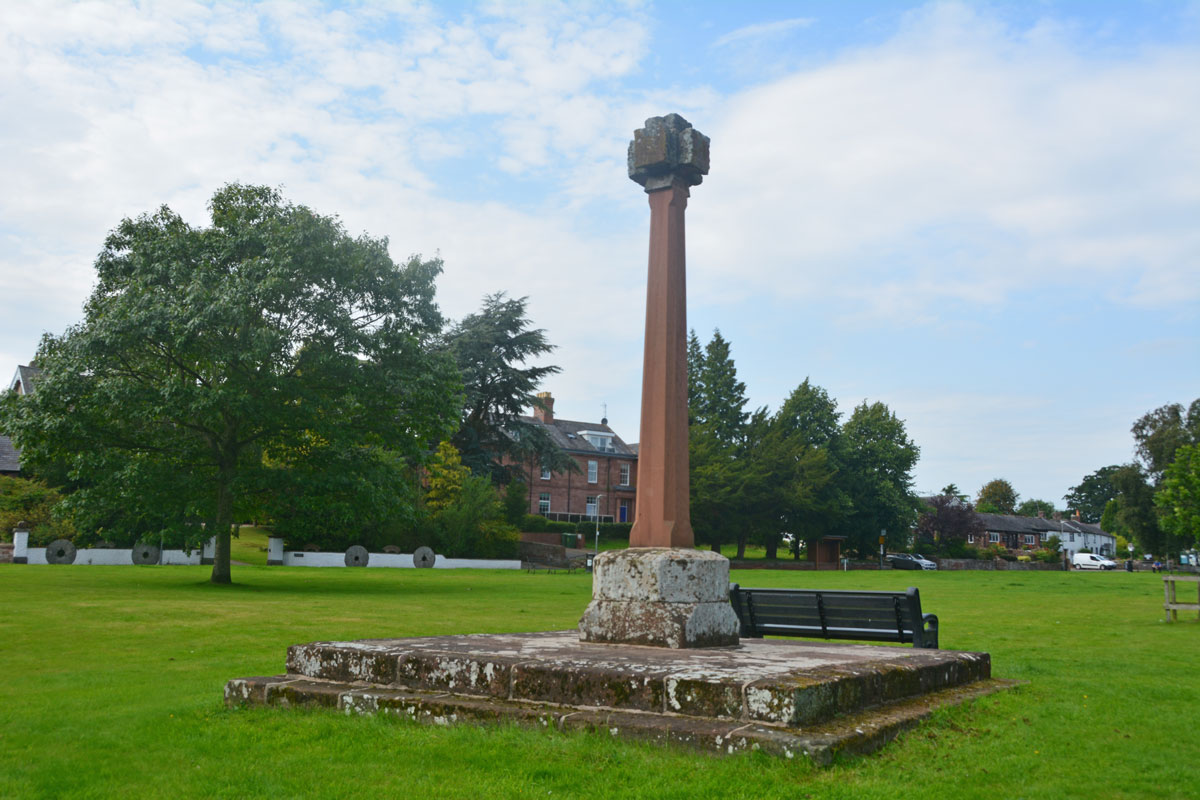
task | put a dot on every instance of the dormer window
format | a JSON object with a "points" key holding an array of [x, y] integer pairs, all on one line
{"points": [[600, 440]]}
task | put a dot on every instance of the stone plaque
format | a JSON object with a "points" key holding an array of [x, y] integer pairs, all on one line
{"points": [[424, 557], [357, 556], [60, 551], [145, 553]]}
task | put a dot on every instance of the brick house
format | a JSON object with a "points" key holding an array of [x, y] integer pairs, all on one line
{"points": [[606, 482]]}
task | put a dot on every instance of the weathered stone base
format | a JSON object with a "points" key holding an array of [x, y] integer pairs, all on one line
{"points": [[660, 597], [812, 698]]}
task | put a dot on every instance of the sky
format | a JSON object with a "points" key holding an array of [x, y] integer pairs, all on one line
{"points": [[984, 215]]}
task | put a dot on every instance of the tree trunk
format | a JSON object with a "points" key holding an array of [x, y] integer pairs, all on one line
{"points": [[224, 520], [772, 548], [715, 547], [741, 546]]}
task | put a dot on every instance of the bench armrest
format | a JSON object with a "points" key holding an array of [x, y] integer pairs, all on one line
{"points": [[929, 628]]}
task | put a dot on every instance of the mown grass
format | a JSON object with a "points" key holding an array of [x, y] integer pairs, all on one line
{"points": [[249, 546], [113, 676]]}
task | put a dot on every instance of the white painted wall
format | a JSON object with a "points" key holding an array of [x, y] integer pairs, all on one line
{"points": [[393, 560], [274, 550], [1092, 541], [37, 555]]}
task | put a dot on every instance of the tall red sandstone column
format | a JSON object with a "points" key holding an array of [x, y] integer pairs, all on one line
{"points": [[662, 592], [666, 157]]}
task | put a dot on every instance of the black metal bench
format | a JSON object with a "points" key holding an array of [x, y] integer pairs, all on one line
{"points": [[835, 614]]}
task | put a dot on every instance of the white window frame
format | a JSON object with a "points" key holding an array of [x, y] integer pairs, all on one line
{"points": [[545, 472], [544, 503], [993, 537], [593, 471], [625, 472], [592, 506], [1030, 538]]}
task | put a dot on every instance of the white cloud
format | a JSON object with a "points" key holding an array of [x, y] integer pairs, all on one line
{"points": [[1071, 168], [958, 164], [763, 30]]}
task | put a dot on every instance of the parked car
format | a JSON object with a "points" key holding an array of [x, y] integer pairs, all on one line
{"points": [[906, 561], [1092, 561]]}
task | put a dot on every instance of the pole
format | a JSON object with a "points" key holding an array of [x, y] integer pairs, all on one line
{"points": [[598, 523]]}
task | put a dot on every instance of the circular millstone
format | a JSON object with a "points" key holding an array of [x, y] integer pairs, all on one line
{"points": [[60, 551], [145, 553], [424, 557], [357, 556]]}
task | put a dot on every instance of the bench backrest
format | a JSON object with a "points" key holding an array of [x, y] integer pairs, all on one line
{"points": [[831, 614]]}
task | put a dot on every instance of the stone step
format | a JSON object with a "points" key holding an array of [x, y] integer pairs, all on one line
{"points": [[858, 733], [772, 682]]}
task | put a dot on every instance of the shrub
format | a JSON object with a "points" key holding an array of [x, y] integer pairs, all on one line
{"points": [[957, 548], [609, 530], [497, 539], [993, 551], [1046, 556], [536, 523], [515, 502], [31, 502]]}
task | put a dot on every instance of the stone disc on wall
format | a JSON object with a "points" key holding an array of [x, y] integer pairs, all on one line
{"points": [[423, 557], [145, 553], [60, 551], [357, 556]]}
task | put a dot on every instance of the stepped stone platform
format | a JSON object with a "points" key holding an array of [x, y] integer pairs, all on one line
{"points": [[783, 697]]}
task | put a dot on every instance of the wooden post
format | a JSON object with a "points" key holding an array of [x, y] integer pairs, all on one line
{"points": [[1170, 602]]}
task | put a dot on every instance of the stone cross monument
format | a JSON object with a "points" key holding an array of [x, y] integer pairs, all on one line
{"points": [[661, 591]]}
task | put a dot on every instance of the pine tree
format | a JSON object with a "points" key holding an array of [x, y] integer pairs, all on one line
{"points": [[721, 401], [717, 418]]}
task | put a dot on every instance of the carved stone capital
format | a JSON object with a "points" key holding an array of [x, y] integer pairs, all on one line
{"points": [[668, 151]]}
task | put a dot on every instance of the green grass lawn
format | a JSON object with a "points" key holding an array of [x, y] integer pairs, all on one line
{"points": [[249, 546], [112, 681]]}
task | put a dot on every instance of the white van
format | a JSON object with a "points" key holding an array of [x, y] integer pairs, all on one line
{"points": [[1092, 561]]}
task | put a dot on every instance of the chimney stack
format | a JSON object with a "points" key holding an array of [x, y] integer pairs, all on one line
{"points": [[544, 413], [1041, 514]]}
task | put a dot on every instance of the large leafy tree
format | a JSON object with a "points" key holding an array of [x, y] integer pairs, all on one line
{"points": [[1032, 506], [1093, 494], [492, 349], [1134, 509], [813, 503], [1178, 496], [876, 474], [997, 497], [204, 349], [1159, 433]]}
